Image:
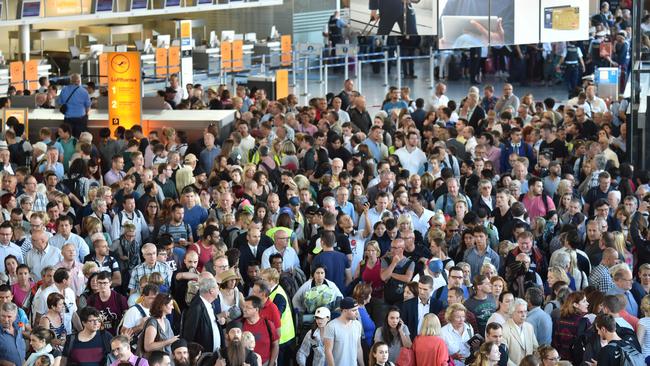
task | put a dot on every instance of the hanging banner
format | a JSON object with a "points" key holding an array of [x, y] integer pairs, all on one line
{"points": [[124, 90]]}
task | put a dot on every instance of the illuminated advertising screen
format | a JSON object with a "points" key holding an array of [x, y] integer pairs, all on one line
{"points": [[387, 17], [104, 6], [172, 3], [31, 9], [564, 20], [138, 4]]}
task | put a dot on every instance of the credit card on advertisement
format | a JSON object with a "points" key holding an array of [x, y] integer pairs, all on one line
{"points": [[562, 18]]}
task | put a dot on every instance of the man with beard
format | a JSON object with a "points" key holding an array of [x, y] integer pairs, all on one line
{"points": [[235, 353], [180, 353]]}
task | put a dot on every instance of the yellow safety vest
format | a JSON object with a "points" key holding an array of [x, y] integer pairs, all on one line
{"points": [[287, 331]]}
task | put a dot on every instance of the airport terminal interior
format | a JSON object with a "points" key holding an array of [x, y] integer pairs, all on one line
{"points": [[324, 182]]}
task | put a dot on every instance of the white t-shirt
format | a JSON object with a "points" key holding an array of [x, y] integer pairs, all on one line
{"points": [[133, 316]]}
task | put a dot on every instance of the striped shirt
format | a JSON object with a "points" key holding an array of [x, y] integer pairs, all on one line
{"points": [[144, 270]]}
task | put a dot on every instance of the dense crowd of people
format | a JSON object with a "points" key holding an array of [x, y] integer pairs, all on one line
{"points": [[498, 229]]}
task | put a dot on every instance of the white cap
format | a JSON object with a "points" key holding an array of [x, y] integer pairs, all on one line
{"points": [[322, 312]]}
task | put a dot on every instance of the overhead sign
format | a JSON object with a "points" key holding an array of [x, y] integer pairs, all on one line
{"points": [[343, 49], [310, 49], [124, 90]]}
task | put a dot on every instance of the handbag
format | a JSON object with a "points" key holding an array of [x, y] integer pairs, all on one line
{"points": [[64, 107], [406, 357]]}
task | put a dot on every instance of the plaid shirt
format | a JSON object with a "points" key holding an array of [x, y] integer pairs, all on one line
{"points": [[144, 270], [600, 278]]}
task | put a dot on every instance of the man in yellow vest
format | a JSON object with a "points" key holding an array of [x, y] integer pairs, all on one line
{"points": [[283, 303]]}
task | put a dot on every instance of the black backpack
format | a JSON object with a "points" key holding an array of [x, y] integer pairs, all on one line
{"points": [[393, 289]]}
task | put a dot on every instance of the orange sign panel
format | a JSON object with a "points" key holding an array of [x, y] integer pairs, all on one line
{"points": [[174, 60], [161, 62], [281, 84], [124, 90], [19, 113], [238, 55], [186, 29], [103, 69], [226, 56], [285, 48], [31, 74], [67, 7], [17, 74]]}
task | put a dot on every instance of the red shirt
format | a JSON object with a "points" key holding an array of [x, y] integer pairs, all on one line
{"points": [[265, 334], [205, 254], [270, 312]]}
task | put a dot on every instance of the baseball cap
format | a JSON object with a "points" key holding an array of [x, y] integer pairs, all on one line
{"points": [[190, 158], [322, 313], [294, 201], [435, 266], [348, 303], [311, 210]]}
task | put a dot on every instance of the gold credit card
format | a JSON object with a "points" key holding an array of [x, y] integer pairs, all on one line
{"points": [[562, 18]]}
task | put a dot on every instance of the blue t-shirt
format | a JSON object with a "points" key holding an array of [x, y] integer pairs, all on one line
{"points": [[400, 104], [335, 264], [194, 217]]}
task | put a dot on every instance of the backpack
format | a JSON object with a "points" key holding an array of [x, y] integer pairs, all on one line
{"points": [[393, 289], [630, 355], [188, 231], [135, 336], [289, 284]]}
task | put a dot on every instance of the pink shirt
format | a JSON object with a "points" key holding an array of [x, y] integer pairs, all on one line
{"points": [[77, 278], [535, 206]]}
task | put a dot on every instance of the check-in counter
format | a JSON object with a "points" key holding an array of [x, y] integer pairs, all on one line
{"points": [[193, 122], [207, 60], [273, 51]]}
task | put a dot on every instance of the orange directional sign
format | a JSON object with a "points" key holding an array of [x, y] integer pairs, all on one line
{"points": [[124, 90]]}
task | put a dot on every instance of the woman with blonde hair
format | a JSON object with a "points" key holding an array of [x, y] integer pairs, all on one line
{"points": [[249, 172], [567, 260], [429, 348], [548, 355], [369, 269], [456, 333], [488, 355], [621, 247]]}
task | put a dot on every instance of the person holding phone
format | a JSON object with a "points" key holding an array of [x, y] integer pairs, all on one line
{"points": [[394, 333], [389, 12], [477, 34]]}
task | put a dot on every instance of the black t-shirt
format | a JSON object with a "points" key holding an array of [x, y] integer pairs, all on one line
{"points": [[342, 243], [610, 354], [557, 149]]}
